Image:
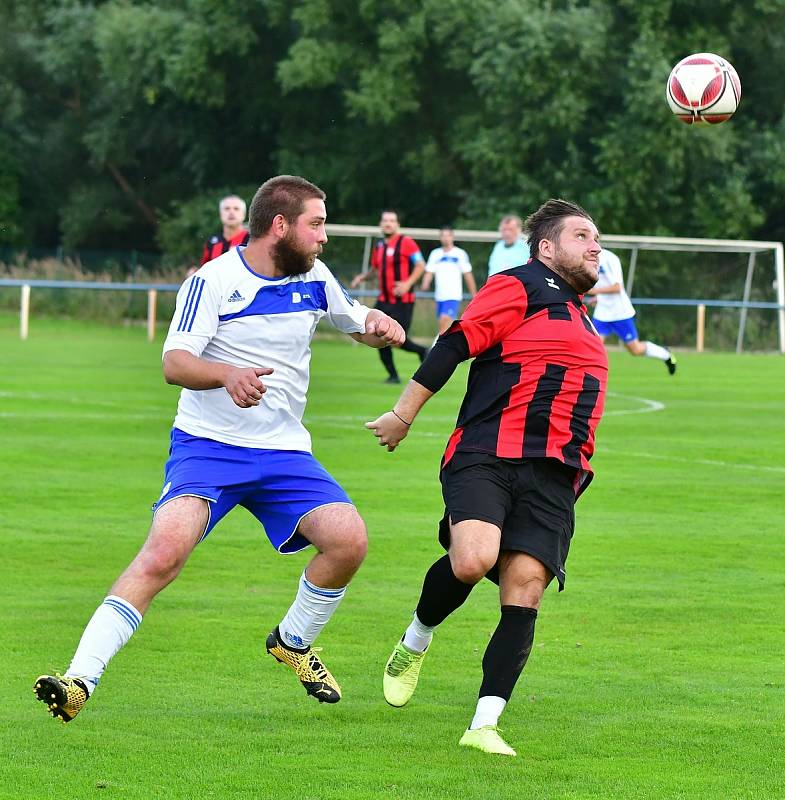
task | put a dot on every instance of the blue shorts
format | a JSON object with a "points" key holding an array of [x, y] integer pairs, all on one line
{"points": [[623, 328], [279, 487], [447, 308]]}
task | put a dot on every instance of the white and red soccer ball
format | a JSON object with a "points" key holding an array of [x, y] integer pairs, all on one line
{"points": [[703, 87]]}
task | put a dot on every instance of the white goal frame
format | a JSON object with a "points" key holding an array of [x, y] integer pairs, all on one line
{"points": [[634, 244]]}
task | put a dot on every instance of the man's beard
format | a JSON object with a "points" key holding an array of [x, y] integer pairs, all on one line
{"points": [[289, 258], [574, 271]]}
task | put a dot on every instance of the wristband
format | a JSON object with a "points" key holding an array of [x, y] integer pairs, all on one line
{"points": [[407, 424]]}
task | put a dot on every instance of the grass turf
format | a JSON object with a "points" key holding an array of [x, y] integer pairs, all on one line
{"points": [[657, 674]]}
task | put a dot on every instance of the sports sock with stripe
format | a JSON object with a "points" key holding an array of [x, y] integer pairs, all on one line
{"points": [[656, 351], [309, 613], [110, 627]]}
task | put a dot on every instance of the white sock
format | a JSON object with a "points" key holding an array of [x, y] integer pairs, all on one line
{"points": [[418, 636], [309, 613], [656, 351], [489, 709], [109, 629]]}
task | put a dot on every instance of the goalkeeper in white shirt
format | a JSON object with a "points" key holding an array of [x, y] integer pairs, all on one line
{"points": [[615, 315], [240, 346]]}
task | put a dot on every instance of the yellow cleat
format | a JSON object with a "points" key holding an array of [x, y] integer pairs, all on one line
{"points": [[488, 740], [401, 674], [314, 676], [64, 697]]}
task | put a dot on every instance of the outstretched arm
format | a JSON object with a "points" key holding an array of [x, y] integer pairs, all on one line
{"points": [[360, 278], [392, 427]]}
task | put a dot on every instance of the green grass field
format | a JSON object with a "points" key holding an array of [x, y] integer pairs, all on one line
{"points": [[658, 673]]}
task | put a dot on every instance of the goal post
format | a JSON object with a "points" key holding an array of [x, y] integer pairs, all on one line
{"points": [[739, 275]]}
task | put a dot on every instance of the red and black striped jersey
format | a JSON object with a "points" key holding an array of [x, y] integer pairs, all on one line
{"points": [[217, 245], [536, 388], [394, 261]]}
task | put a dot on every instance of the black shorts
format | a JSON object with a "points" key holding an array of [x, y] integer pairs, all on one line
{"points": [[400, 312], [531, 500]]}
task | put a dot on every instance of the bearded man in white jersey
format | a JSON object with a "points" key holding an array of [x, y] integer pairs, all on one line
{"points": [[239, 345]]}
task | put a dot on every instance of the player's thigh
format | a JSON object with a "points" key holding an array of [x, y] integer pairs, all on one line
{"points": [[477, 498], [177, 527], [522, 579], [333, 527], [542, 520]]}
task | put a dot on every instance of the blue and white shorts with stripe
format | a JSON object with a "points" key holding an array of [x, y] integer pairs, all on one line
{"points": [[279, 487]]}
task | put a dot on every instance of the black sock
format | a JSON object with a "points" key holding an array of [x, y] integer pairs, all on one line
{"points": [[385, 354], [441, 593], [507, 651]]}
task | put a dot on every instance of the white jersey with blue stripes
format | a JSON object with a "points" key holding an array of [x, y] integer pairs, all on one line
{"points": [[227, 313], [616, 306]]}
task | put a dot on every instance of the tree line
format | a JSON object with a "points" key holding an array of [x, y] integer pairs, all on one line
{"points": [[124, 121]]}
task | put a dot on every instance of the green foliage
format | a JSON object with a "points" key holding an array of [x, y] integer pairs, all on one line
{"points": [[118, 113]]}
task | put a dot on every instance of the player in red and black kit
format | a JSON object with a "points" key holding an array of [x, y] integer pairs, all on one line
{"points": [[233, 232], [398, 263], [519, 456]]}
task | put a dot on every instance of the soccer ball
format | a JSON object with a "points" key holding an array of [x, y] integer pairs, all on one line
{"points": [[703, 88]]}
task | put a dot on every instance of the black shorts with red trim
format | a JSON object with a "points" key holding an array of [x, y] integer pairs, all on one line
{"points": [[532, 501]]}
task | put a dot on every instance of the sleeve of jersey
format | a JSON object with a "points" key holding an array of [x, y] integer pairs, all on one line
{"points": [[343, 311], [617, 275], [496, 310], [195, 319], [205, 254], [411, 250]]}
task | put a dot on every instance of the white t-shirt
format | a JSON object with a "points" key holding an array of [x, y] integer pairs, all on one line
{"points": [[616, 306], [448, 268], [227, 313]]}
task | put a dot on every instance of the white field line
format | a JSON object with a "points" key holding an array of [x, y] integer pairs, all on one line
{"points": [[707, 462], [343, 422], [355, 423]]}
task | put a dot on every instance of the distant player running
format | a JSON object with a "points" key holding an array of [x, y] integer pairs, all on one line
{"points": [[614, 313], [240, 346]]}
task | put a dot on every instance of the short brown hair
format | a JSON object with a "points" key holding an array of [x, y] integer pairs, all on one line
{"points": [[548, 220], [285, 195]]}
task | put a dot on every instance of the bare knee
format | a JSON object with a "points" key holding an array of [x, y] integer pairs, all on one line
{"points": [[159, 563], [339, 533], [176, 529], [352, 546], [523, 580], [526, 593], [469, 567]]}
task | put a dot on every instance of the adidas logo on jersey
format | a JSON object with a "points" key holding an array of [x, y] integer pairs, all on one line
{"points": [[235, 297]]}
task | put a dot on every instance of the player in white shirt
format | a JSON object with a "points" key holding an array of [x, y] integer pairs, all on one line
{"points": [[614, 313], [450, 267], [239, 345]]}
